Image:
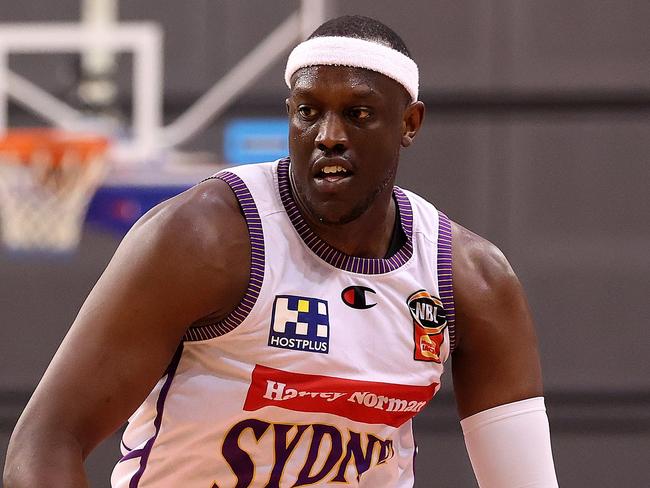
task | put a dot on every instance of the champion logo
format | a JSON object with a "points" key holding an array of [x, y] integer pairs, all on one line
{"points": [[355, 297]]}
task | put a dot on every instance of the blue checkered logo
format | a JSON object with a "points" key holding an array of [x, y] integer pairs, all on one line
{"points": [[300, 323]]}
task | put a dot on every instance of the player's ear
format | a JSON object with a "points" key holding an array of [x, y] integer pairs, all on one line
{"points": [[286, 103], [412, 121]]}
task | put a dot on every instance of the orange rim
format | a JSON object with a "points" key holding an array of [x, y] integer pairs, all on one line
{"points": [[23, 144]]}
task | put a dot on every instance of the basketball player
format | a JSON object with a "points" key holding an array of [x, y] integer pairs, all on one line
{"points": [[280, 324]]}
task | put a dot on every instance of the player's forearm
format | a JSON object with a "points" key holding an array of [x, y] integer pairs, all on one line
{"points": [[49, 476], [510, 446], [37, 459]]}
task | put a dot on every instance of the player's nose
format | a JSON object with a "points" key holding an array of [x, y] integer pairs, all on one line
{"points": [[331, 134]]}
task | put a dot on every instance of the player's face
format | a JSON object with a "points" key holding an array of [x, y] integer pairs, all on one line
{"points": [[346, 126]]}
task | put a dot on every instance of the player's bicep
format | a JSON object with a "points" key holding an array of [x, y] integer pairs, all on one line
{"points": [[126, 333], [496, 361]]}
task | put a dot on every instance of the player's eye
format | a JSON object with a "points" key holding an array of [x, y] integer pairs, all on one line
{"points": [[361, 114], [306, 112]]}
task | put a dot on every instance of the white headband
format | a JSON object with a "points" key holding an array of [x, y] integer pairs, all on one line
{"points": [[358, 53]]}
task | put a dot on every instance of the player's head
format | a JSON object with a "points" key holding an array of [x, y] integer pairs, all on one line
{"points": [[352, 106], [360, 27]]}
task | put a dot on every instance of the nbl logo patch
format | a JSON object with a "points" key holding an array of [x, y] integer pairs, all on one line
{"points": [[429, 322], [300, 323]]}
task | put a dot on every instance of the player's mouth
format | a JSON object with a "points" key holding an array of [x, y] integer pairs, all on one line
{"points": [[333, 173], [329, 174]]}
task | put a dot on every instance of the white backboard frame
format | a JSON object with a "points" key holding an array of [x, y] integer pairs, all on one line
{"points": [[142, 39]]}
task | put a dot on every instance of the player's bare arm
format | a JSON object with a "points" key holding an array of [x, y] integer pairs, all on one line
{"points": [[496, 359], [186, 259], [496, 370]]}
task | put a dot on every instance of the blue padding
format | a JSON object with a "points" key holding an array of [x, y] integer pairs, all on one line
{"points": [[117, 208], [255, 140]]}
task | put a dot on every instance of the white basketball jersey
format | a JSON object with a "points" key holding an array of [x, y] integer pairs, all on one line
{"points": [[314, 378]]}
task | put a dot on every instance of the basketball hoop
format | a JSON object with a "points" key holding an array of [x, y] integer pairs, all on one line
{"points": [[47, 179]]}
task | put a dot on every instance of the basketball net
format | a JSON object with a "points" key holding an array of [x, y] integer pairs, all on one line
{"points": [[47, 179]]}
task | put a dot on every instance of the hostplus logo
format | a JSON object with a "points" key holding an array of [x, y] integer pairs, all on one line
{"points": [[300, 323]]}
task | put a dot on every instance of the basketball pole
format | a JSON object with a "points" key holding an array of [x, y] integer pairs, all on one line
{"points": [[246, 72], [4, 89], [97, 87]]}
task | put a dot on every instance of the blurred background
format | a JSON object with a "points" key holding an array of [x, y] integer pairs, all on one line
{"points": [[537, 136]]}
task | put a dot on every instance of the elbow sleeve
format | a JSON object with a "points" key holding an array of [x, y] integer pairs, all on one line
{"points": [[509, 446]]}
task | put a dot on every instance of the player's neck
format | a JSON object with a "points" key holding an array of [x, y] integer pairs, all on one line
{"points": [[368, 236]]}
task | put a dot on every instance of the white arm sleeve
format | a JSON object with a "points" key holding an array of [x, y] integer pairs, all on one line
{"points": [[510, 446]]}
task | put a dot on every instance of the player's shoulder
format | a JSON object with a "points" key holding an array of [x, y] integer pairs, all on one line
{"points": [[202, 221], [479, 266], [485, 285]]}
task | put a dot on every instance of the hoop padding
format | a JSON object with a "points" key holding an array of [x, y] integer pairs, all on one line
{"points": [[47, 179]]}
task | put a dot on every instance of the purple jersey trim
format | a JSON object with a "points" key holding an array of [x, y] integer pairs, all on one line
{"points": [[445, 285], [160, 407], [415, 451], [256, 237], [335, 257], [132, 455]]}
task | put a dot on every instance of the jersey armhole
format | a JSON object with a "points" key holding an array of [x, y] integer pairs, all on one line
{"points": [[256, 236], [445, 281]]}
